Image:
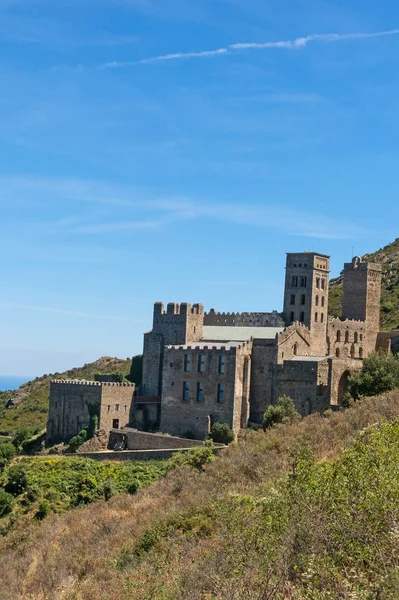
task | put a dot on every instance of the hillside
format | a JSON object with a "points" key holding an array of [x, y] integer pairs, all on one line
{"points": [[305, 511], [389, 258], [31, 399]]}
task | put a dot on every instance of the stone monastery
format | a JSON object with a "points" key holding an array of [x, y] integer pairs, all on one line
{"points": [[201, 367]]}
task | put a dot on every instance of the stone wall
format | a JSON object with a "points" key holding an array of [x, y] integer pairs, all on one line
{"points": [[194, 414], [388, 341], [139, 440], [295, 340], [306, 382], [249, 319], [347, 339], [116, 405], [339, 373], [263, 370]]}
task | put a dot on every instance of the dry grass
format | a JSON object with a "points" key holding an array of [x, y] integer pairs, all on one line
{"points": [[81, 555]]}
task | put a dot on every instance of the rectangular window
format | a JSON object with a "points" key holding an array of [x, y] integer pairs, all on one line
{"points": [[318, 282], [323, 284], [200, 392], [116, 407], [316, 316], [115, 424], [294, 281], [302, 317], [201, 363], [292, 299], [303, 299], [322, 301], [187, 363], [222, 364], [292, 319], [186, 391], [303, 281], [220, 397]]}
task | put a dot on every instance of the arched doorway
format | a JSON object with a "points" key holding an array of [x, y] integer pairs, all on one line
{"points": [[343, 386]]}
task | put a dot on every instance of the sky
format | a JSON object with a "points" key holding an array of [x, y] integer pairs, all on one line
{"points": [[175, 150]]}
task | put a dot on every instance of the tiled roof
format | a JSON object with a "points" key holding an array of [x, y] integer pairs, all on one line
{"points": [[217, 333]]}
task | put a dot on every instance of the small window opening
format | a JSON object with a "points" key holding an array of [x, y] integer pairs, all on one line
{"points": [[292, 299], [201, 363], [200, 392], [220, 393], [186, 390], [338, 336]]}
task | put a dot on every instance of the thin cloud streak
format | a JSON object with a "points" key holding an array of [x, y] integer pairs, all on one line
{"points": [[297, 43]]}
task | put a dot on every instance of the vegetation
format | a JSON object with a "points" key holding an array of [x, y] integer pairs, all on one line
{"points": [[31, 399], [307, 510], [136, 370], [388, 257], [221, 433], [282, 412], [379, 374]]}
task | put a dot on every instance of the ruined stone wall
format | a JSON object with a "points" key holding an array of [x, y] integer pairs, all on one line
{"points": [[346, 339], [272, 319], [306, 383], [179, 416], [263, 368], [70, 406], [116, 405], [388, 341], [339, 377]]}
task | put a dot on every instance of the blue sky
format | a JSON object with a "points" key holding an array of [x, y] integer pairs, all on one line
{"points": [[173, 150]]}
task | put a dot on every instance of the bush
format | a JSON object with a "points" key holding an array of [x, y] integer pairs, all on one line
{"points": [[221, 433], [17, 480], [93, 426], [195, 457], [379, 374], [285, 409], [78, 440], [6, 503], [22, 435], [7, 451], [44, 510]]}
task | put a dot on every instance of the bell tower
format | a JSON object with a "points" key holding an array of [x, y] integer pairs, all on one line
{"points": [[306, 295]]}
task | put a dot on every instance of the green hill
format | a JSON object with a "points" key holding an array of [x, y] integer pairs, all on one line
{"points": [[388, 257], [31, 399], [304, 511]]}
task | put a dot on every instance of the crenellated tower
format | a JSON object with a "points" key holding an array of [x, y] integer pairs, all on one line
{"points": [[306, 295]]}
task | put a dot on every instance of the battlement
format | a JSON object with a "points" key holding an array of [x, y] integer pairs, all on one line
{"points": [[359, 264], [232, 347], [297, 326], [173, 308], [91, 383], [246, 319], [339, 321]]}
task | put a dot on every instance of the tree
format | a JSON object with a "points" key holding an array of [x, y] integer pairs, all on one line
{"points": [[284, 410], [17, 480], [379, 374], [6, 503], [221, 433], [78, 440], [136, 370]]}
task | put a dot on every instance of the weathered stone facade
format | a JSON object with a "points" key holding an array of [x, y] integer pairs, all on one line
{"points": [[200, 368]]}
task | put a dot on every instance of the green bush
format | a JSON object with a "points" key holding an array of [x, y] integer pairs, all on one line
{"points": [[78, 440], [43, 510], [6, 503], [195, 457], [379, 374], [221, 433], [7, 452], [22, 435], [93, 426], [284, 409], [17, 480]]}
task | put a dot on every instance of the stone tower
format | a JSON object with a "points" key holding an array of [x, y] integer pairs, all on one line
{"points": [[362, 296], [306, 295], [180, 324]]}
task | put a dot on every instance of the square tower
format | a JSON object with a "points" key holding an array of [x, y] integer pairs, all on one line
{"points": [[306, 295]]}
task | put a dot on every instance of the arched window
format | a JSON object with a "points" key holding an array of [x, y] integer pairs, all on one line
{"points": [[338, 336], [303, 281], [356, 337], [316, 317], [295, 349], [318, 282], [323, 284], [346, 337], [322, 301], [317, 301], [322, 317], [352, 351], [360, 352], [337, 352]]}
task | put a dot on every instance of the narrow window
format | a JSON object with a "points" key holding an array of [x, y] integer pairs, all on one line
{"points": [[302, 317], [360, 352], [187, 363], [337, 352], [303, 281], [222, 364], [346, 337], [186, 390], [318, 282], [316, 317], [292, 299], [338, 336], [322, 301], [294, 281], [323, 284], [220, 396], [200, 392], [356, 337], [322, 317], [116, 407], [109, 408], [295, 350], [361, 337], [125, 407], [201, 363], [292, 317], [317, 301], [303, 299]]}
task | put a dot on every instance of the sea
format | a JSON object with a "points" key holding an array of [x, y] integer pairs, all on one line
{"points": [[12, 382]]}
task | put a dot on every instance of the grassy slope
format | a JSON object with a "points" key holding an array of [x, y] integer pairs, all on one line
{"points": [[263, 521], [32, 397], [389, 258]]}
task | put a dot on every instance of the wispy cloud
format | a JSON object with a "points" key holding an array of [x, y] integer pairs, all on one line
{"points": [[297, 43]]}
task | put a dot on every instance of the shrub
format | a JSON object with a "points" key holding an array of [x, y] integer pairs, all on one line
{"points": [[221, 433], [78, 440], [43, 510], [6, 503], [17, 480], [285, 409], [379, 374], [195, 457], [93, 426], [7, 451], [22, 435]]}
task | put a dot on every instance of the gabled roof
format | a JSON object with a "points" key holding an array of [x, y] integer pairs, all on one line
{"points": [[219, 333]]}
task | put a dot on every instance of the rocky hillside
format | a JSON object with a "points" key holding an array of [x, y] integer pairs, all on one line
{"points": [[388, 257], [31, 399]]}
